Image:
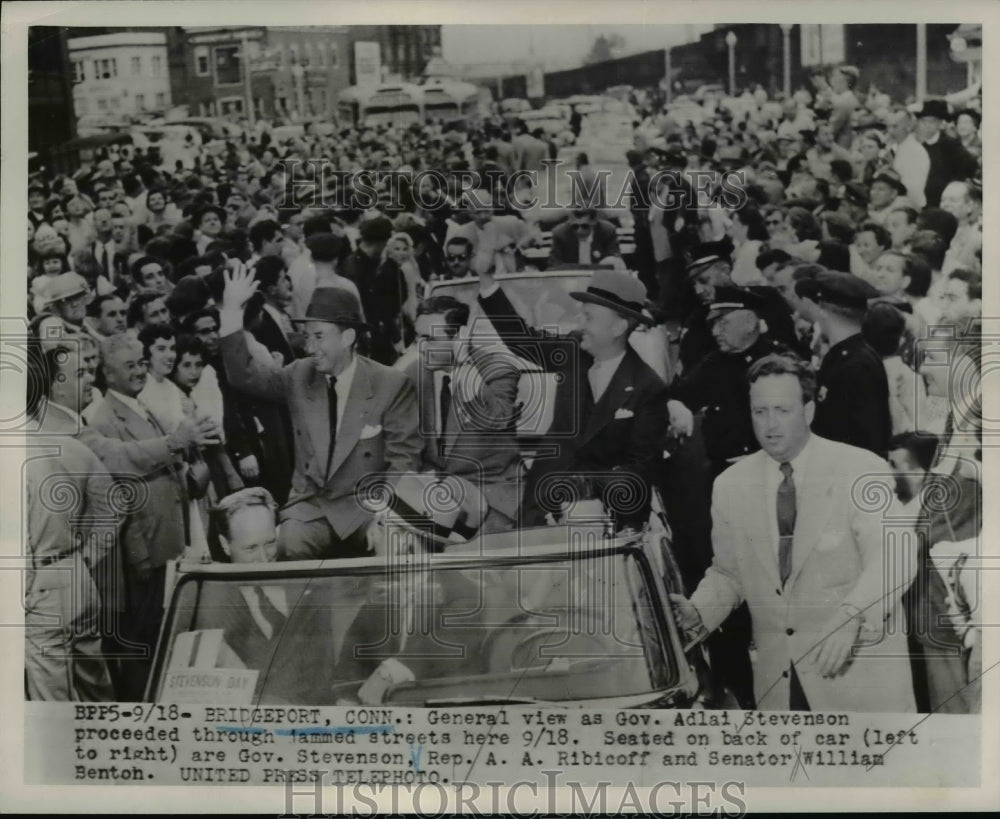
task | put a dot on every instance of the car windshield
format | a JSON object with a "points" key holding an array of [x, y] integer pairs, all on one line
{"points": [[575, 626]]}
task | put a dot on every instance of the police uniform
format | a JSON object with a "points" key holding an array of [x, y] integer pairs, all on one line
{"points": [[852, 390], [697, 341], [718, 387]]}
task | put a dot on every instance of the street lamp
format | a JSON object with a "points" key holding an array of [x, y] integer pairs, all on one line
{"points": [[731, 43], [786, 58]]}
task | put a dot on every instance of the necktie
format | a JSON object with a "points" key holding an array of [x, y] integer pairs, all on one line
{"points": [[272, 617], [107, 260], [786, 521], [444, 408], [331, 393]]}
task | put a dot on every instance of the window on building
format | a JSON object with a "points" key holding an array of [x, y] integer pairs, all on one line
{"points": [[102, 104], [106, 69], [157, 66], [136, 66], [201, 65], [320, 55], [78, 73], [334, 56], [227, 66], [114, 103], [81, 106], [140, 102], [161, 100]]}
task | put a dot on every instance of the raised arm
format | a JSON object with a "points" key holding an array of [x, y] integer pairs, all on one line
{"points": [[262, 377]]}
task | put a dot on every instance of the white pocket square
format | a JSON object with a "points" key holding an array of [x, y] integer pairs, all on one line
{"points": [[629, 389], [370, 431], [623, 413]]}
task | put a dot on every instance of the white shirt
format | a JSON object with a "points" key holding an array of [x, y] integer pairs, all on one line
{"points": [[585, 245], [343, 389], [163, 400], [601, 373], [772, 480], [913, 164]]}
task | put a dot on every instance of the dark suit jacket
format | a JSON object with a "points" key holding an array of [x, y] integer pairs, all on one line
{"points": [[268, 333], [566, 245], [480, 443], [378, 431], [154, 530], [623, 433]]}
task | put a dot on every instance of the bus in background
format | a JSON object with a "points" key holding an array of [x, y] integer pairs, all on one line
{"points": [[451, 100], [401, 104]]}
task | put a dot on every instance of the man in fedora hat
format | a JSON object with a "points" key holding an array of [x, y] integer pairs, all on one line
{"points": [[949, 160], [66, 309], [351, 416], [609, 408]]}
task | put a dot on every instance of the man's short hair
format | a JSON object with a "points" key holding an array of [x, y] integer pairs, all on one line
{"points": [[882, 237], [455, 312], [772, 256], [263, 231], [268, 271], [462, 242], [973, 281], [911, 214], [784, 364], [112, 345], [153, 332], [223, 511], [188, 325], [931, 246], [95, 307], [137, 307], [922, 447], [920, 274]]}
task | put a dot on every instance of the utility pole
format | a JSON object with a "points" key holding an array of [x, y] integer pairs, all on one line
{"points": [[247, 85]]}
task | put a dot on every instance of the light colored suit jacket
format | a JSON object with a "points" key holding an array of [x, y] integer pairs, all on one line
{"points": [[154, 531], [841, 554], [378, 430]]}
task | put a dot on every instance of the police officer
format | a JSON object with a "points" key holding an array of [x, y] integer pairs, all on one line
{"points": [[709, 268], [717, 385], [852, 390]]}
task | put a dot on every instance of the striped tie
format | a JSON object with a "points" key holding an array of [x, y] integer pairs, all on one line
{"points": [[786, 521]]}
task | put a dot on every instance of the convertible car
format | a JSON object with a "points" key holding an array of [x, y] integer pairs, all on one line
{"points": [[570, 614]]}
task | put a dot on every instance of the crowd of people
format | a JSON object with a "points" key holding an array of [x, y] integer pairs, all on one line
{"points": [[245, 323]]}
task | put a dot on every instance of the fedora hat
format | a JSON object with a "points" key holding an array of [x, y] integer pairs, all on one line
{"points": [[618, 291], [66, 286], [891, 178], [336, 306], [934, 108]]}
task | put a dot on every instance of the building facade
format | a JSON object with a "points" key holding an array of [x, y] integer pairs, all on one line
{"points": [[124, 73], [292, 72]]}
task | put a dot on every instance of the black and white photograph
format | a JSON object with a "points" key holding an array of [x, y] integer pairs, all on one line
{"points": [[403, 406]]}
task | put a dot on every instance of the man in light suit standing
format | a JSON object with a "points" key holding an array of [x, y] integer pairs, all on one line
{"points": [[132, 445], [352, 417], [792, 538]]}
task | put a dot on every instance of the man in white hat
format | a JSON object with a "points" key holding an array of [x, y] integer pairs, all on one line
{"points": [[610, 407], [68, 298]]}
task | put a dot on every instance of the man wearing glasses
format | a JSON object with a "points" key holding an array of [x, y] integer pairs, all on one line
{"points": [[584, 239], [457, 258]]}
